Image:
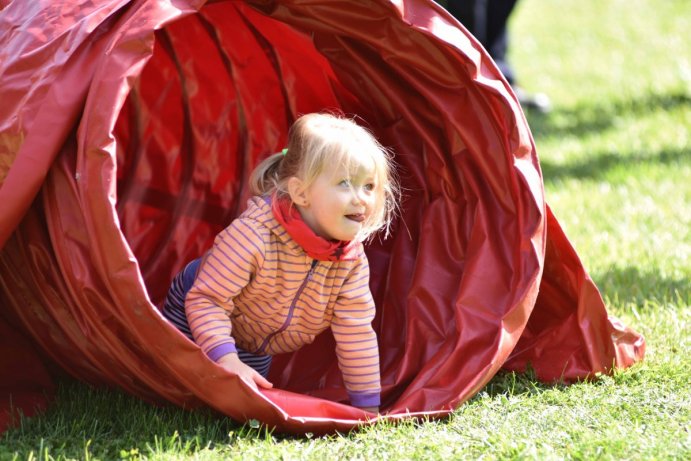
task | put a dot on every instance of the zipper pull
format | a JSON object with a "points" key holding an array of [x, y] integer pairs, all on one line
{"points": [[312, 267]]}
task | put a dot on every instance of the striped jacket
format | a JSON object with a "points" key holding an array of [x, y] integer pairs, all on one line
{"points": [[256, 286]]}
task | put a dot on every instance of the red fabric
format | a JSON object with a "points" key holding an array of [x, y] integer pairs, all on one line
{"points": [[26, 387], [315, 246], [128, 129]]}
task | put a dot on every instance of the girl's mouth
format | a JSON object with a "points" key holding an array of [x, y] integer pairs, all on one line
{"points": [[356, 217]]}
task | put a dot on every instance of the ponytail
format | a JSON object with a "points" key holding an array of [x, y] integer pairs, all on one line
{"points": [[264, 179]]}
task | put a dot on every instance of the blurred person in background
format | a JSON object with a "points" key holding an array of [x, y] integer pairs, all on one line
{"points": [[487, 21]]}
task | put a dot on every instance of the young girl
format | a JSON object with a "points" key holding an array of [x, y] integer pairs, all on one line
{"points": [[293, 265]]}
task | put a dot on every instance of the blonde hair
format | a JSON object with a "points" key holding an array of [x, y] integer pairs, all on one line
{"points": [[319, 141]]}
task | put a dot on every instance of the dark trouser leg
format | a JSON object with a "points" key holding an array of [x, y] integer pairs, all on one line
{"points": [[487, 20]]}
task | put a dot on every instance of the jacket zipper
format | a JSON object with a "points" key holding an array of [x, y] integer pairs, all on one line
{"points": [[291, 310]]}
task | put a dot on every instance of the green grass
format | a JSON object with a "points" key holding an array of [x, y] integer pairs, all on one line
{"points": [[616, 157]]}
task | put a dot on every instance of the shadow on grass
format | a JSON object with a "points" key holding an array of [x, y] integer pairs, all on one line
{"points": [[510, 383], [631, 285], [599, 164], [584, 120], [581, 121], [110, 424]]}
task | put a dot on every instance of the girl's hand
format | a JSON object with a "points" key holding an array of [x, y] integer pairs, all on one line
{"points": [[232, 363]]}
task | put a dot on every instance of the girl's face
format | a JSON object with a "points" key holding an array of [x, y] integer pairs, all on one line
{"points": [[339, 203]]}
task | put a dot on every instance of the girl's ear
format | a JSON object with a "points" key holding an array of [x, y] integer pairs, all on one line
{"points": [[298, 191]]}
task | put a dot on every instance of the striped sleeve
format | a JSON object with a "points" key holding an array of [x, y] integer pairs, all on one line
{"points": [[237, 253], [356, 341]]}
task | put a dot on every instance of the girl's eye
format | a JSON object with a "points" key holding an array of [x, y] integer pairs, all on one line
{"points": [[369, 186], [344, 183]]}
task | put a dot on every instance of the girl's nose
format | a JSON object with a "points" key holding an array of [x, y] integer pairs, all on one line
{"points": [[358, 195]]}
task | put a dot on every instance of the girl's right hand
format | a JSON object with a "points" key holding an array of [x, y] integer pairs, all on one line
{"points": [[232, 363]]}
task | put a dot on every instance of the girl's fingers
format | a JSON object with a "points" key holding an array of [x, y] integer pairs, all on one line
{"points": [[261, 381], [250, 382]]}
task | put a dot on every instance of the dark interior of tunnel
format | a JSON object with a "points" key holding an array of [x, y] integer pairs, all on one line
{"points": [[204, 112]]}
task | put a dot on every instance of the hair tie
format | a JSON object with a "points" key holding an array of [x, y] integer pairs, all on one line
{"points": [[284, 151]]}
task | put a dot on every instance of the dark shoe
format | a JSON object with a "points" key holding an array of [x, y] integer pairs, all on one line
{"points": [[536, 101]]}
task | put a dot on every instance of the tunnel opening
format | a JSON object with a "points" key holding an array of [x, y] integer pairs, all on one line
{"points": [[172, 108]]}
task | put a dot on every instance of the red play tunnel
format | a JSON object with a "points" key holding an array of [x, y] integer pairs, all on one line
{"points": [[128, 129]]}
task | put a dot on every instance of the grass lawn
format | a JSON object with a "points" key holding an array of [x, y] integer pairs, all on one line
{"points": [[616, 158]]}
